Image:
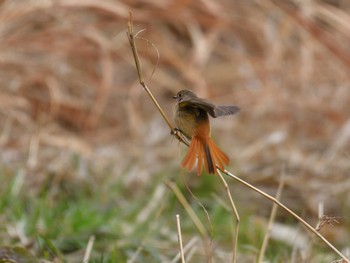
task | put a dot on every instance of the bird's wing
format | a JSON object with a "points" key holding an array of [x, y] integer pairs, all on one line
{"points": [[200, 104], [225, 110], [213, 110]]}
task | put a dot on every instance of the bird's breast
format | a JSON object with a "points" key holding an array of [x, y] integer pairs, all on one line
{"points": [[189, 119]]}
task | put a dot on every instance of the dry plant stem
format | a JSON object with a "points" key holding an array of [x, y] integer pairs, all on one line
{"points": [[89, 249], [308, 226], [131, 38], [236, 215], [188, 247], [202, 206], [317, 228], [194, 218], [271, 219], [179, 236]]}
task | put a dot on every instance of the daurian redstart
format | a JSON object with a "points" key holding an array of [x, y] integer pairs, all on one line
{"points": [[191, 118]]}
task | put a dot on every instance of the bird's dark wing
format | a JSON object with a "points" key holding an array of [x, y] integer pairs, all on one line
{"points": [[200, 104], [213, 110], [225, 110]]}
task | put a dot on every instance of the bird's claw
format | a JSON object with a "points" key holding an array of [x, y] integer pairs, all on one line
{"points": [[175, 131]]}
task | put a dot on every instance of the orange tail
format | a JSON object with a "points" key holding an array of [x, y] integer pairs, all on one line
{"points": [[208, 153]]}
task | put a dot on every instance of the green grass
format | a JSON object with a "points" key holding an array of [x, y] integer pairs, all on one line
{"points": [[56, 219]]}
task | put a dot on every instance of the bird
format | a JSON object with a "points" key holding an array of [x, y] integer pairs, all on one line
{"points": [[192, 120]]}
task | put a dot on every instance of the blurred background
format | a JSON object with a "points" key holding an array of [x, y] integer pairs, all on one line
{"points": [[84, 152]]}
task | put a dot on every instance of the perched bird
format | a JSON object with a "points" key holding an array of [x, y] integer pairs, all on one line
{"points": [[191, 118]]}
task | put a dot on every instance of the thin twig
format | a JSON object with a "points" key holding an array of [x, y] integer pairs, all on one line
{"points": [[272, 217], [188, 208], [189, 246], [179, 236], [89, 249], [200, 227], [236, 215], [131, 38], [202, 206], [308, 226]]}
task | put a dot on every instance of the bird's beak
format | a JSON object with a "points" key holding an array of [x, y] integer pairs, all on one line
{"points": [[175, 97]]}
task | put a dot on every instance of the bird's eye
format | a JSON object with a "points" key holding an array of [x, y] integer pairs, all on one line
{"points": [[180, 95]]}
